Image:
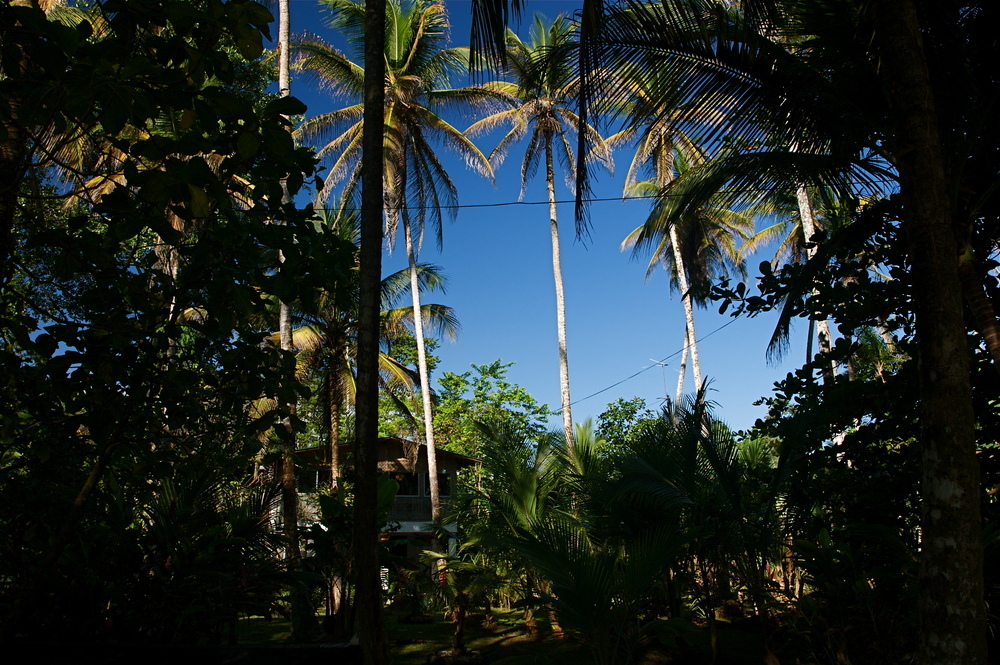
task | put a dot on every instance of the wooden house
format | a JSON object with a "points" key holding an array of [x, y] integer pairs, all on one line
{"points": [[404, 460]]}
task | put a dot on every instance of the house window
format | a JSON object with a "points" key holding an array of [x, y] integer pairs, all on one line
{"points": [[407, 484], [308, 481], [444, 484]]}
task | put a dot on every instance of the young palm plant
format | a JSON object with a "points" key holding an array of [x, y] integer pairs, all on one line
{"points": [[516, 492], [463, 581], [690, 471], [541, 90], [415, 184]]}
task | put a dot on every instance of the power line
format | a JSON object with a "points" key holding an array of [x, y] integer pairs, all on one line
{"points": [[462, 206], [629, 378]]}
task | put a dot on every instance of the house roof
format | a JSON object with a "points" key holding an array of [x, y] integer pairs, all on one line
{"points": [[395, 454]]}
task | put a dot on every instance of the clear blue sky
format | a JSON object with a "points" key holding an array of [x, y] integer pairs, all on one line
{"points": [[498, 261]]}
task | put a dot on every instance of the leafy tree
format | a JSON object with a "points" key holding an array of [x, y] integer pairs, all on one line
{"points": [[802, 108], [135, 398], [622, 421], [484, 395]]}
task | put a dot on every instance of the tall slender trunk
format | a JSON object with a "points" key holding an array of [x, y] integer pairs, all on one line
{"points": [[807, 215], [952, 611], [304, 625], [50, 561], [168, 260], [691, 338], [335, 401], [368, 585], [425, 384], [682, 372], [550, 183], [13, 164]]}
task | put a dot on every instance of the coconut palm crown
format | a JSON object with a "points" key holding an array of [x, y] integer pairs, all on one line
{"points": [[418, 84]]}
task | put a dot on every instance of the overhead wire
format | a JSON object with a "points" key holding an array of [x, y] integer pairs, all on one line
{"points": [[649, 367], [499, 204]]}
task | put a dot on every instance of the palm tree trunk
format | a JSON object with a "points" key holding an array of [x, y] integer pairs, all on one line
{"points": [[13, 164], [808, 218], [368, 585], [550, 183], [425, 384], [335, 400], [530, 622], [168, 261], [304, 626], [458, 641], [682, 372], [952, 611], [688, 307]]}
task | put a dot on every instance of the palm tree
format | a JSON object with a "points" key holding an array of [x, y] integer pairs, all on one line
{"points": [[695, 251], [367, 577], [542, 87], [303, 618], [415, 184], [689, 469], [795, 225], [327, 337], [694, 247], [516, 493]]}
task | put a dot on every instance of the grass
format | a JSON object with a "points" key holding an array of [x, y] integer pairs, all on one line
{"points": [[507, 643], [412, 643], [261, 631]]}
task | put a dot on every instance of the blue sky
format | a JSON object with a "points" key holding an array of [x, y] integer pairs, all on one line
{"points": [[498, 261]]}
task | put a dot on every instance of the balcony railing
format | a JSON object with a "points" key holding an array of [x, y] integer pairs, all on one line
{"points": [[413, 509], [404, 509]]}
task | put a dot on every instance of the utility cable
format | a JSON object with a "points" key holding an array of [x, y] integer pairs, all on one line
{"points": [[658, 364]]}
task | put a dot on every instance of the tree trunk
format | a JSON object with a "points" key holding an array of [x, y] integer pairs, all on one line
{"points": [[335, 401], [368, 602], [530, 622], [168, 261], [691, 338], [458, 637], [809, 227], [304, 626], [550, 182], [49, 563], [425, 383], [952, 611], [983, 313], [682, 373], [13, 164]]}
